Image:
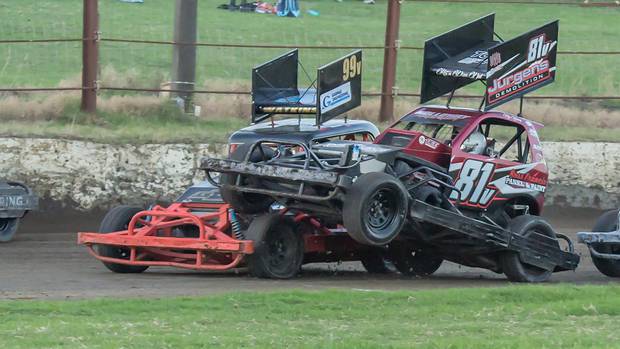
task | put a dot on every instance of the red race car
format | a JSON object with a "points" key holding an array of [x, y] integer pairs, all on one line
{"points": [[466, 185]]}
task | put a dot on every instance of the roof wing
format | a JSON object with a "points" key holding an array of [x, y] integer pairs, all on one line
{"points": [[275, 88], [340, 86], [453, 60], [521, 65], [509, 69]]}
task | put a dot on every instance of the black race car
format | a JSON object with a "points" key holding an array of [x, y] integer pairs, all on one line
{"points": [[16, 199]]}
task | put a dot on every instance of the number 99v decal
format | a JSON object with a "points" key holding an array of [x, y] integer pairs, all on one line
{"points": [[480, 183]]}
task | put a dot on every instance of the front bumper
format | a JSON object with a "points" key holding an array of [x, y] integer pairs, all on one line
{"points": [[589, 238], [277, 173]]}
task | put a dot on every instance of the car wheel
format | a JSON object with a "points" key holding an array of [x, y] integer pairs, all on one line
{"points": [[412, 261], [608, 222], [513, 267], [246, 203], [376, 261], [8, 228], [375, 209], [278, 247], [117, 219]]}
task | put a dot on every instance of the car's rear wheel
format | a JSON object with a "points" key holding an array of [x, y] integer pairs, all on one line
{"points": [[117, 219], [246, 203], [278, 247], [608, 222], [376, 261], [375, 209], [513, 267], [412, 261], [8, 228]]}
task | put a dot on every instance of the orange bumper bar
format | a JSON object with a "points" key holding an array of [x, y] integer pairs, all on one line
{"points": [[151, 241]]}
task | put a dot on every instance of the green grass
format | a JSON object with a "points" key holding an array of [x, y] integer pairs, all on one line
{"points": [[560, 316], [346, 23], [162, 124], [341, 23]]}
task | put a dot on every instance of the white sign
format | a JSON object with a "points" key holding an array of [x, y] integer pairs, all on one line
{"points": [[336, 97]]}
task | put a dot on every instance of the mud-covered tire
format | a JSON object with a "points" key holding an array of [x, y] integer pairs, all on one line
{"points": [[608, 222], [118, 219], [376, 261], [8, 228], [513, 267], [278, 247], [246, 203], [375, 209], [411, 261]]}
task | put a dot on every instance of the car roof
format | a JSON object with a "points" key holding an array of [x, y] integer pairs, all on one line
{"points": [[304, 128], [460, 117]]}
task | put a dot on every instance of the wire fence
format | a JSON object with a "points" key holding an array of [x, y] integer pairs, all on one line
{"points": [[137, 59]]}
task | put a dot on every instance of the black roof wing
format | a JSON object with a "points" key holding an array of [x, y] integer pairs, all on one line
{"points": [[442, 72], [469, 54], [275, 88]]}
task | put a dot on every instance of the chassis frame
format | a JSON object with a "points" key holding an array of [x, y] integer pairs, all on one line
{"points": [[310, 170], [150, 241]]}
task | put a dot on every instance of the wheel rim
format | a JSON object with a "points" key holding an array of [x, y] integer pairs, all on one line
{"points": [[281, 250], [119, 252], [382, 211], [4, 223], [6, 228]]}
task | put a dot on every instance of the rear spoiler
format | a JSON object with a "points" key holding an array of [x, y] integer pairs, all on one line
{"points": [[509, 69], [275, 90]]}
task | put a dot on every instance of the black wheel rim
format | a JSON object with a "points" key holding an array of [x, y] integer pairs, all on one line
{"points": [[6, 228], [119, 252], [281, 250], [4, 224], [382, 211]]}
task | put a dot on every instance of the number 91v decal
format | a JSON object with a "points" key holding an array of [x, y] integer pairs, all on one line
{"points": [[472, 183]]}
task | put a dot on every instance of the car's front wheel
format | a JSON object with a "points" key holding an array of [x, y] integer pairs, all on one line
{"points": [[278, 247], [8, 228], [117, 219], [608, 222], [375, 209], [535, 228]]}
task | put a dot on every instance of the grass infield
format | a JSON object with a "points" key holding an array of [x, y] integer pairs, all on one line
{"points": [[547, 316]]}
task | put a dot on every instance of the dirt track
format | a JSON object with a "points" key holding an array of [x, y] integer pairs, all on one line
{"points": [[45, 262]]}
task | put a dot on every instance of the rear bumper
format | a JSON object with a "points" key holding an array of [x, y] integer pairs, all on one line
{"points": [[17, 205]]}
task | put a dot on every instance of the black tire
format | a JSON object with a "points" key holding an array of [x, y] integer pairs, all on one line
{"points": [[118, 219], [246, 203], [608, 222], [376, 261], [513, 267], [278, 247], [411, 261], [8, 228], [375, 209]]}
